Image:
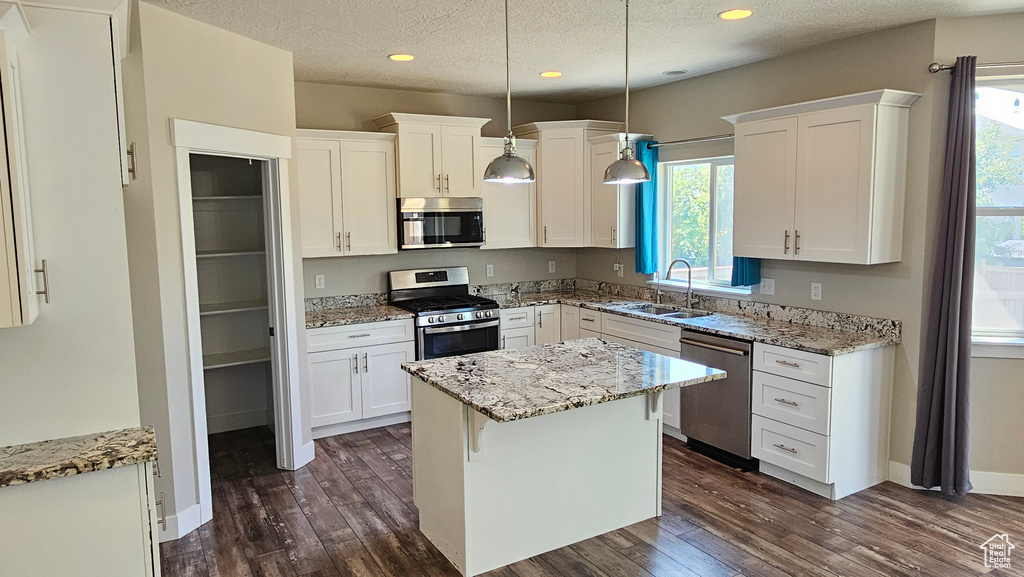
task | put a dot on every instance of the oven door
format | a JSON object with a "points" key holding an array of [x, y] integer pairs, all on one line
{"points": [[474, 337], [437, 223]]}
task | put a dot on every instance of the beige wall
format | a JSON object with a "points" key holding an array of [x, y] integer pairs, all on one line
{"points": [[997, 394], [367, 274], [181, 68], [894, 58], [335, 107]]}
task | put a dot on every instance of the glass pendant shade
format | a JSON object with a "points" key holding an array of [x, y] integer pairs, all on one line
{"points": [[626, 170]]}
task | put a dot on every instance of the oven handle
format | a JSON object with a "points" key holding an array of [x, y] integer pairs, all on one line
{"points": [[460, 328]]}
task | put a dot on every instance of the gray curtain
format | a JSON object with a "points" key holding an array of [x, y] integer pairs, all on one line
{"points": [[940, 438]]}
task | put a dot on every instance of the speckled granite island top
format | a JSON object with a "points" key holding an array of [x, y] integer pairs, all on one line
{"points": [[516, 384], [20, 464], [354, 315]]}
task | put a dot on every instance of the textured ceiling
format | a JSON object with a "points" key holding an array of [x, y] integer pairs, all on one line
{"points": [[459, 44]]}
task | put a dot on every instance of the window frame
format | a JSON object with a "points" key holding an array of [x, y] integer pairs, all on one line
{"points": [[665, 220]]}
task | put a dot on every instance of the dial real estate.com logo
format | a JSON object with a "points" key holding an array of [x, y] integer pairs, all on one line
{"points": [[997, 551]]}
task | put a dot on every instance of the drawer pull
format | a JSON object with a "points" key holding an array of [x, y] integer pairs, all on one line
{"points": [[359, 336], [785, 402], [788, 364], [522, 318], [586, 320], [785, 448]]}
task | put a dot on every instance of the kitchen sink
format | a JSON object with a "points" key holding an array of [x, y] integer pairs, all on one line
{"points": [[687, 314], [667, 312]]}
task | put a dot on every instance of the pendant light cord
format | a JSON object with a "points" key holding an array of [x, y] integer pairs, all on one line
{"points": [[508, 75], [627, 72]]}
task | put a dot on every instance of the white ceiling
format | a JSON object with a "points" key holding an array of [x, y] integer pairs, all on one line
{"points": [[459, 44]]}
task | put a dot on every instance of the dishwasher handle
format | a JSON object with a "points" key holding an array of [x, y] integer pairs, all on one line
{"points": [[737, 352]]}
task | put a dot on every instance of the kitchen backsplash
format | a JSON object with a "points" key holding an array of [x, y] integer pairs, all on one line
{"points": [[795, 315]]}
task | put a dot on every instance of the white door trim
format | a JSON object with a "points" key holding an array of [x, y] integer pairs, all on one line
{"points": [[194, 137]]}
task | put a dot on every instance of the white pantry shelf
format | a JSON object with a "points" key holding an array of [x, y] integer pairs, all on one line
{"points": [[227, 253], [229, 197], [235, 358], [233, 307]]}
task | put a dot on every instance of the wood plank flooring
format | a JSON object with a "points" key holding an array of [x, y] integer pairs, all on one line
{"points": [[350, 512]]}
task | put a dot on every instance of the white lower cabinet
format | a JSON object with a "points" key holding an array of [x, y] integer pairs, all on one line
{"points": [[518, 338], [517, 328], [354, 376], [570, 325], [800, 438], [549, 324]]}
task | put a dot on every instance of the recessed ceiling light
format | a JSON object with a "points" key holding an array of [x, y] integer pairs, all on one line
{"points": [[551, 74], [401, 57], [674, 72], [735, 14]]}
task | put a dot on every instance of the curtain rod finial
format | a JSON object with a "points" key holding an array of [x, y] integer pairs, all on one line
{"points": [[935, 67]]}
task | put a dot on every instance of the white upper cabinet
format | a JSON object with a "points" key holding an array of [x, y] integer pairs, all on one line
{"points": [[19, 298], [347, 193], [564, 178], [823, 181], [510, 210], [437, 155], [613, 208]]}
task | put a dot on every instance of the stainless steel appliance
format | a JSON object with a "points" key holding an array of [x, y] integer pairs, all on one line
{"points": [[449, 320], [717, 414], [442, 222]]}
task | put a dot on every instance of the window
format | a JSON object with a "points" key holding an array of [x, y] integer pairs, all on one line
{"points": [[696, 203], [999, 260]]}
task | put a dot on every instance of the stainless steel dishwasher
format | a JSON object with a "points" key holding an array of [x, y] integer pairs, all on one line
{"points": [[717, 414]]}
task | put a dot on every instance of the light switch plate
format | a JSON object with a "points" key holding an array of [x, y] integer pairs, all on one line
{"points": [[490, 270], [767, 286], [551, 266], [815, 291], [320, 284]]}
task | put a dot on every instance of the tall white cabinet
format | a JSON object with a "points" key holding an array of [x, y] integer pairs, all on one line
{"points": [[510, 210], [564, 178], [437, 155], [613, 207], [347, 193], [823, 181]]}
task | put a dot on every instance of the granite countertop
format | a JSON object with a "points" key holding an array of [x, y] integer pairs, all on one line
{"points": [[517, 384], [20, 464], [354, 315]]}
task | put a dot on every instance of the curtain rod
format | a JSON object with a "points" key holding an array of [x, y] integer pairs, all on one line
{"points": [[690, 141], [936, 67]]}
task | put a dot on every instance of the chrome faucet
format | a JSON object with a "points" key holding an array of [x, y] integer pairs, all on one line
{"points": [[689, 280]]}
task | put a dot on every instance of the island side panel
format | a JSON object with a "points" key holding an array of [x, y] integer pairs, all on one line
{"points": [[545, 482], [438, 461]]}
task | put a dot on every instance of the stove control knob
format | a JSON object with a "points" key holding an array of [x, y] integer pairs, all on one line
{"points": [[488, 314], [430, 320], [479, 315], [440, 319], [461, 316]]}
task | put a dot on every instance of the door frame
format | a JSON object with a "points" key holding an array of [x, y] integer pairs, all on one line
{"points": [[273, 151]]}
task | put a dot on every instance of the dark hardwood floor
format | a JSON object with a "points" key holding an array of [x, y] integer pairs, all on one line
{"points": [[350, 512]]}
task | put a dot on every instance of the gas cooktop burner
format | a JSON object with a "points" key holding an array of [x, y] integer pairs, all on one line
{"points": [[447, 303]]}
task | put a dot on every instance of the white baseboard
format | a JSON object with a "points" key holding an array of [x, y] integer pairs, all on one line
{"points": [[234, 421], [177, 526], [984, 482], [361, 425]]}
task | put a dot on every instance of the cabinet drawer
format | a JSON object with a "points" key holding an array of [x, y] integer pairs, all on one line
{"points": [[650, 333], [516, 318], [589, 334], [792, 402], [590, 320], [360, 335], [800, 365], [789, 447]]}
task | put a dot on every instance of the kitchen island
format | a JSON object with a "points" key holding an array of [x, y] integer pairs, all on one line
{"points": [[516, 453]]}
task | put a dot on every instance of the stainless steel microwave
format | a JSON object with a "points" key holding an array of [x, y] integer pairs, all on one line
{"points": [[442, 222]]}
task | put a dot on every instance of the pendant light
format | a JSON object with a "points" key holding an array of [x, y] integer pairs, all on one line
{"points": [[509, 168], [626, 170]]}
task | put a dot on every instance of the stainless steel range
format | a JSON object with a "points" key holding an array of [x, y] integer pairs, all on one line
{"points": [[449, 320]]}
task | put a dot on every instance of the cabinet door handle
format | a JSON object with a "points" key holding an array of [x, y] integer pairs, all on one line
{"points": [[439, 183], [366, 362], [785, 448], [46, 281], [545, 235], [338, 241], [355, 363], [540, 320], [133, 168], [348, 241], [796, 244], [788, 364], [162, 519], [785, 247], [447, 189], [785, 402], [503, 342]]}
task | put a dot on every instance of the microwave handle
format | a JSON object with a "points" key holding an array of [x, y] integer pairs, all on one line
{"points": [[460, 328]]}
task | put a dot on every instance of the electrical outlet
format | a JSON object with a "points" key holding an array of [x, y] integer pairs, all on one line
{"points": [[551, 266], [490, 270], [815, 291], [767, 286], [320, 284], [620, 269]]}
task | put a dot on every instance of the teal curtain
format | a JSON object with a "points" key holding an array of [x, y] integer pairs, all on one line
{"points": [[746, 271], [647, 212]]}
